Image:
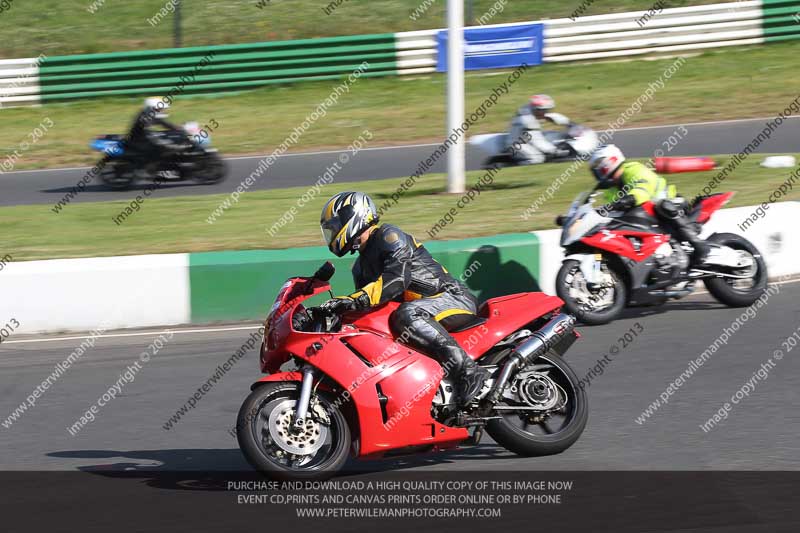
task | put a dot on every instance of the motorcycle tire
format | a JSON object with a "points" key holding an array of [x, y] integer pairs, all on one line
{"points": [[499, 161], [251, 436], [721, 289], [516, 439], [211, 169], [592, 318], [114, 176]]}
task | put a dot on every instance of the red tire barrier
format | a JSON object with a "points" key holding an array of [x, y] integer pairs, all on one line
{"points": [[672, 165]]}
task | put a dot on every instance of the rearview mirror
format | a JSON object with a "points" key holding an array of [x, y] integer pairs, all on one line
{"points": [[325, 272]]}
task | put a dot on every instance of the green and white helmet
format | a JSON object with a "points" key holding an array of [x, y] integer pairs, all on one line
{"points": [[344, 218]]}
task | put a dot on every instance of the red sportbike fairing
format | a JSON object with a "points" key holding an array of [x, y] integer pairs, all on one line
{"points": [[356, 389], [613, 261]]}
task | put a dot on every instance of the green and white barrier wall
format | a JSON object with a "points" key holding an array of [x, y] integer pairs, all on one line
{"points": [[155, 290], [242, 285], [246, 66], [202, 288]]}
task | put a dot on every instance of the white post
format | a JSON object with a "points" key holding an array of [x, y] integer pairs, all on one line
{"points": [[455, 95]]}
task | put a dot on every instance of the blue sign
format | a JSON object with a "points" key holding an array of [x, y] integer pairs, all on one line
{"points": [[497, 47]]}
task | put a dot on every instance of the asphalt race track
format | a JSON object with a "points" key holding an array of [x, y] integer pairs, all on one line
{"points": [[297, 169], [760, 433]]}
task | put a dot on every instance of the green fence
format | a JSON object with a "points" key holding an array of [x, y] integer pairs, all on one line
{"points": [[252, 65], [212, 69], [228, 286], [781, 20]]}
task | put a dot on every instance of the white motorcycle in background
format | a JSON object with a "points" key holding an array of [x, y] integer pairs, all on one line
{"points": [[577, 140]]}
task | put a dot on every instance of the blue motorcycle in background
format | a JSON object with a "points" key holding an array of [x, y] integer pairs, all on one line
{"points": [[174, 156]]}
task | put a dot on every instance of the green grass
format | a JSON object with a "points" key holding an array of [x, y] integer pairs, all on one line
{"points": [[28, 28], [722, 84], [179, 224]]}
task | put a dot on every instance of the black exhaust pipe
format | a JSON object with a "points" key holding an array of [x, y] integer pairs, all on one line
{"points": [[537, 344]]}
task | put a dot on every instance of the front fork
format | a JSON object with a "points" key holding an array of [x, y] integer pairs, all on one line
{"points": [[301, 410], [591, 268]]}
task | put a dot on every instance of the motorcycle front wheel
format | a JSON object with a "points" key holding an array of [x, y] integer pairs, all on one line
{"points": [[211, 169], [272, 444], [592, 306], [549, 382]]}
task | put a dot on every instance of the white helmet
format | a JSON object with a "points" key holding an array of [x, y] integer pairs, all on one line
{"points": [[605, 161], [541, 102], [158, 105]]}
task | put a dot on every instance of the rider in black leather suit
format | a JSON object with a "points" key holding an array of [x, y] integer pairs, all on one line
{"points": [[144, 133], [392, 265]]}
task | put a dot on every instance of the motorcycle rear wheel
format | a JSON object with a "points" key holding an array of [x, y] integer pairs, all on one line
{"points": [[723, 289], [268, 443], [516, 433], [117, 174]]}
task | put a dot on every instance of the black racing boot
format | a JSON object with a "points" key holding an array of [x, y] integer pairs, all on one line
{"points": [[471, 381], [687, 233], [424, 333]]}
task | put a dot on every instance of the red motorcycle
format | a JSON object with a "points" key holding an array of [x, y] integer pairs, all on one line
{"points": [[611, 262], [354, 389]]}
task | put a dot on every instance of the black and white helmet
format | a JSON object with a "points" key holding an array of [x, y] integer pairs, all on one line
{"points": [[344, 218]]}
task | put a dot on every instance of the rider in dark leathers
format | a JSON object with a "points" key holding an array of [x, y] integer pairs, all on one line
{"points": [[392, 265], [152, 120]]}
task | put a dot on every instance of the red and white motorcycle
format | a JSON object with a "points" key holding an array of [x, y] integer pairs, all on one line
{"points": [[613, 261]]}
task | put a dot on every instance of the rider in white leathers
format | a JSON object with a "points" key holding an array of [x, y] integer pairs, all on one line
{"points": [[527, 143]]}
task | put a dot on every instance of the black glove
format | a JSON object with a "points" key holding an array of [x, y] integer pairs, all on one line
{"points": [[337, 306], [301, 320], [623, 204]]}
